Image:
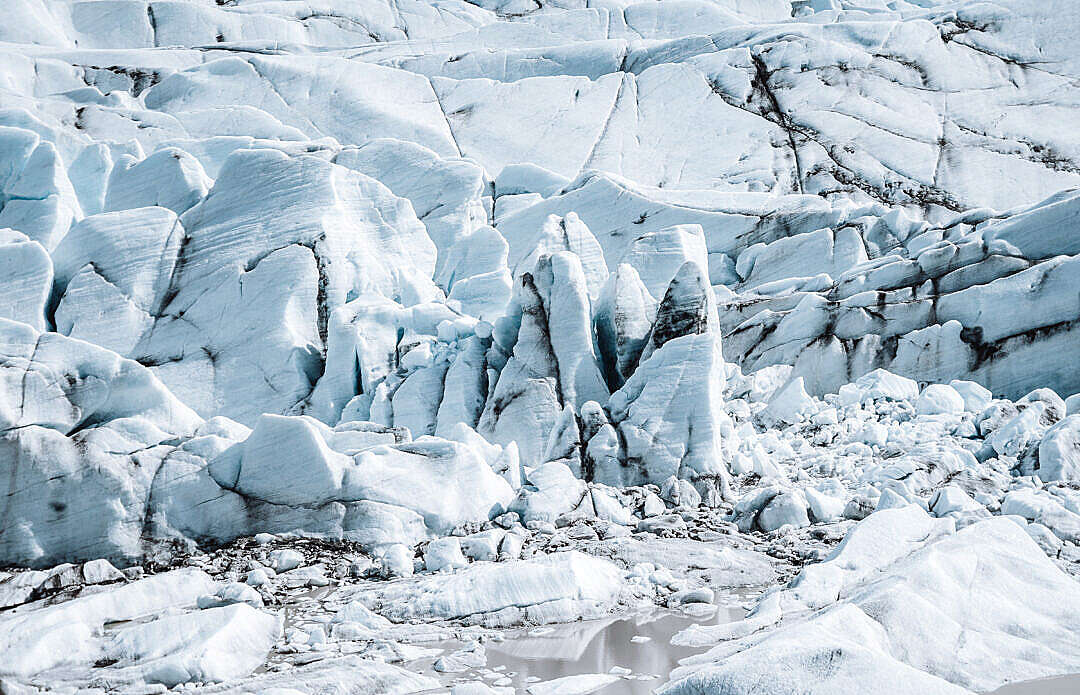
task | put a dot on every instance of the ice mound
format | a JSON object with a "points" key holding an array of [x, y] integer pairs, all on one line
{"points": [[163, 647], [910, 598]]}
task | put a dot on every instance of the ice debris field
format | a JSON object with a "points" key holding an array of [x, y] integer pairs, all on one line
{"points": [[547, 347]]}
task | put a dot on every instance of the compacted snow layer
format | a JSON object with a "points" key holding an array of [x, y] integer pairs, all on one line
{"points": [[488, 315]]}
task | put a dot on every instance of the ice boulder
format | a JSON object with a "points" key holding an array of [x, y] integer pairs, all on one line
{"points": [[347, 674], [1059, 451], [790, 404], [445, 483], [1039, 506], [206, 646], [855, 647], [312, 473], [444, 554], [951, 500], [578, 684], [976, 397], [824, 508], [68, 634], [551, 490], [879, 540], [786, 509], [880, 384], [568, 581], [1019, 433], [938, 399]]}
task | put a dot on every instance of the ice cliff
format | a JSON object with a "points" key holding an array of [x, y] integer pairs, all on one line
{"points": [[392, 273]]}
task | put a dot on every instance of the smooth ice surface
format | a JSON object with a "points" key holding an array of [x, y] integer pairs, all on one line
{"points": [[1042, 686], [889, 598]]}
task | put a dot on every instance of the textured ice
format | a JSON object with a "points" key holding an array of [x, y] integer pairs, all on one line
{"points": [[508, 591], [69, 633], [410, 323], [912, 599]]}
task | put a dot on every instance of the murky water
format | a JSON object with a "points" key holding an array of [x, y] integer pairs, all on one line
{"points": [[1061, 685], [640, 643], [599, 646]]}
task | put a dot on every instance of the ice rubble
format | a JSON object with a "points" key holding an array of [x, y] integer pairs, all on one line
{"points": [[922, 458], [542, 311]]}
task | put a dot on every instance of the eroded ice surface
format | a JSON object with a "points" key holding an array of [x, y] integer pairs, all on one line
{"points": [[348, 347]]}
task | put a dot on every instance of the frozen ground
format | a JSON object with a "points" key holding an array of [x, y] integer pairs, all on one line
{"points": [[515, 346]]}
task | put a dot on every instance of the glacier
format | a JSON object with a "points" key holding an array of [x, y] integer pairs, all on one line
{"points": [[345, 345]]}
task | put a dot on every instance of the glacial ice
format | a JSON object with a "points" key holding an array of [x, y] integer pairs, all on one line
{"points": [[894, 609], [340, 339]]}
